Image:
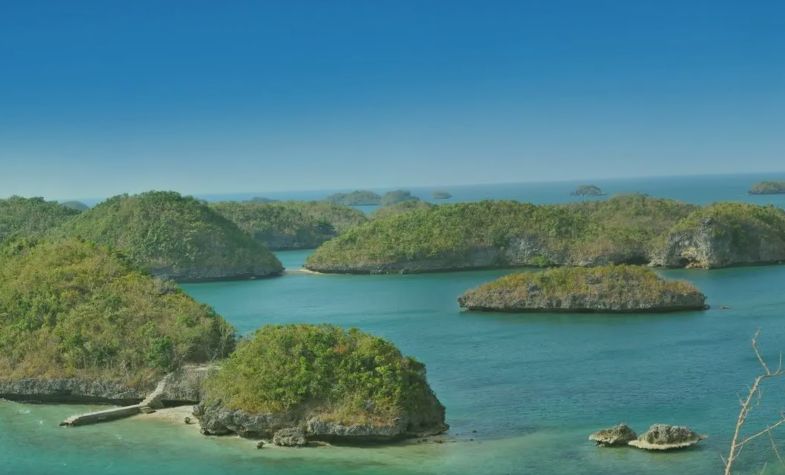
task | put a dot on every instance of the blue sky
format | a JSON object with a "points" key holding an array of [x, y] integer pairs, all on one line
{"points": [[98, 98]]}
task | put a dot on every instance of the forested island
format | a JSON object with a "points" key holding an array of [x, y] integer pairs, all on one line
{"points": [[768, 188], [631, 229], [27, 217], [588, 190], [622, 288], [290, 224], [441, 195], [173, 236], [300, 383], [81, 324], [355, 198]]}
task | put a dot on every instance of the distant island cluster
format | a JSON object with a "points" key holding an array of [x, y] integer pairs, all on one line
{"points": [[98, 286]]}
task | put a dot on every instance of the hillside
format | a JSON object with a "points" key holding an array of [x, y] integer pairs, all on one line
{"points": [[290, 224], [79, 321], [26, 217], [174, 237]]}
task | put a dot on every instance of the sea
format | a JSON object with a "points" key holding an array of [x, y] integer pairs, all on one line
{"points": [[522, 392]]}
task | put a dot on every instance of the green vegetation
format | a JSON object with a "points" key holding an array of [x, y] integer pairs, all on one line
{"points": [[768, 188], [346, 376], [397, 196], [441, 195], [355, 198], [588, 190], [77, 205], [623, 229], [605, 288], [72, 309], [26, 217], [173, 236], [291, 224], [399, 208]]}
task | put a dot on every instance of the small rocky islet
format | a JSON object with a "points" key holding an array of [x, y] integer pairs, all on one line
{"points": [[659, 437], [609, 289]]}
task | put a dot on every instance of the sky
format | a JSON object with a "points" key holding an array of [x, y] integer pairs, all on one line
{"points": [[99, 98]]}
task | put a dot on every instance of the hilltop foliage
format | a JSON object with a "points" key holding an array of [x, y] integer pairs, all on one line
{"points": [[397, 196], [626, 228], [27, 217], [400, 208], [173, 236], [347, 375], [291, 224], [72, 309]]}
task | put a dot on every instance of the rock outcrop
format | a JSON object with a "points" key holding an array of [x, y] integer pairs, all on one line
{"points": [[666, 437], [597, 289], [615, 436], [290, 437], [726, 235], [183, 386]]}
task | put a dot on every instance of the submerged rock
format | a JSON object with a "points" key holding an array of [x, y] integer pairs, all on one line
{"points": [[667, 437], [614, 436]]}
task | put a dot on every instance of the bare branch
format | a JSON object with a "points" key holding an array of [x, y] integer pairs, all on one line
{"points": [[753, 399]]}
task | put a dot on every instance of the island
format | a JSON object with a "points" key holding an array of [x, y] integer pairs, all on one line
{"points": [[173, 237], [297, 384], [76, 205], [625, 229], [28, 217], [768, 188], [397, 196], [82, 325], [355, 198], [607, 289], [588, 190], [441, 195], [290, 224]]}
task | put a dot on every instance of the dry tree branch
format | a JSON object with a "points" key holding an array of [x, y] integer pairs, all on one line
{"points": [[751, 400]]}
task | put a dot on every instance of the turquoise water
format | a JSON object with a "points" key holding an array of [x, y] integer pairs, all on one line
{"points": [[522, 391]]}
